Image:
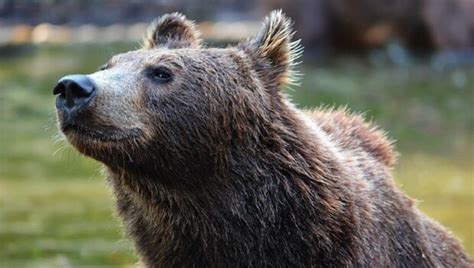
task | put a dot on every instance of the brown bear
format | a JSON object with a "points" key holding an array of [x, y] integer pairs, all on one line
{"points": [[212, 166]]}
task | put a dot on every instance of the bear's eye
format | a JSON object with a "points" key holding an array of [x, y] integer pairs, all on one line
{"points": [[104, 67], [159, 74]]}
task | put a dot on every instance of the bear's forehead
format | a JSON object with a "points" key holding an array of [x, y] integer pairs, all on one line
{"points": [[163, 54]]}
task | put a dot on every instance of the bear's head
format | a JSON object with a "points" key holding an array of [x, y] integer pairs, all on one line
{"points": [[175, 104]]}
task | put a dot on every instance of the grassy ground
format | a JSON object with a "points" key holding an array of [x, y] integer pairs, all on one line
{"points": [[56, 211]]}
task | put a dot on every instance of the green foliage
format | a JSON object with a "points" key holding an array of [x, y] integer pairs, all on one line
{"points": [[56, 211]]}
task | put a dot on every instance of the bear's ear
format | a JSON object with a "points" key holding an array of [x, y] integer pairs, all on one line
{"points": [[171, 31], [273, 53]]}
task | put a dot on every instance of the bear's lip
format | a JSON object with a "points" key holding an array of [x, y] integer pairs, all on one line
{"points": [[105, 134]]}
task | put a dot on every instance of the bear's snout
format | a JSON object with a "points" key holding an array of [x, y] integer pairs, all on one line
{"points": [[74, 93]]}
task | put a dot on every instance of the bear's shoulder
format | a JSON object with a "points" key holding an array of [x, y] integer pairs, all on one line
{"points": [[352, 130]]}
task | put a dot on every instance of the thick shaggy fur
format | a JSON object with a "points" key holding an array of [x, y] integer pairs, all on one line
{"points": [[221, 170]]}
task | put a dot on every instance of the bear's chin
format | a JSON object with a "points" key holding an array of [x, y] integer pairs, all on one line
{"points": [[99, 134], [113, 154], [101, 144]]}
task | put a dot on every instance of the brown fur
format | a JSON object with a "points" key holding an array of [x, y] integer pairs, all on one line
{"points": [[219, 169], [353, 133]]}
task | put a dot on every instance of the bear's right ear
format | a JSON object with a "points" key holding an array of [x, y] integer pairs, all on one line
{"points": [[171, 31], [272, 51]]}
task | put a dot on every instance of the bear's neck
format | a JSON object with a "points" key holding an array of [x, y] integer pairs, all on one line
{"points": [[259, 189]]}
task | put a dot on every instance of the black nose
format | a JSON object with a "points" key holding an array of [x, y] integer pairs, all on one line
{"points": [[74, 92]]}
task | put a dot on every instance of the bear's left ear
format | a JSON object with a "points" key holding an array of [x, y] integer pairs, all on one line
{"points": [[171, 31], [272, 52]]}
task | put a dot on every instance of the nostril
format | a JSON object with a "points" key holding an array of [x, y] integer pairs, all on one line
{"points": [[79, 90], [59, 89], [74, 91], [79, 85]]}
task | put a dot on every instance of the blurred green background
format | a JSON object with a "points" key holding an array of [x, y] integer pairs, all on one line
{"points": [[56, 211]]}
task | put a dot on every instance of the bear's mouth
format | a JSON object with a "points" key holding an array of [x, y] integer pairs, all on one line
{"points": [[104, 134]]}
